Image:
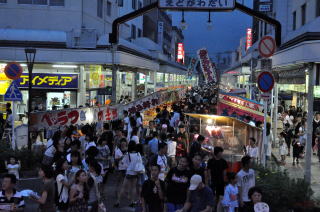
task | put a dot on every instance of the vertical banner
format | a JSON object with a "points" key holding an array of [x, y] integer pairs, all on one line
{"points": [[206, 66], [191, 67], [160, 33], [249, 38]]}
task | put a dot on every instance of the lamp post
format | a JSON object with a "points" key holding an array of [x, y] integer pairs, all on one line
{"points": [[30, 56]]}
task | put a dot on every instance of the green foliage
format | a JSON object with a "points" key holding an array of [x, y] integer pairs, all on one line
{"points": [[281, 192], [29, 160]]}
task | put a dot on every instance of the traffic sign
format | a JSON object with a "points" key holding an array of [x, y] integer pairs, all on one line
{"points": [[267, 46], [13, 70], [197, 5], [13, 93], [265, 81]]}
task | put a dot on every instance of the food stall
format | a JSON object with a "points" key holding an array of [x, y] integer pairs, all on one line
{"points": [[227, 132]]}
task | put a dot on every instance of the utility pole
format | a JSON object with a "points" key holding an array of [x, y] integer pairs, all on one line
{"points": [[312, 71]]}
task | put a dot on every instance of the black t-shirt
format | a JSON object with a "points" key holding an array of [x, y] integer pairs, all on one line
{"points": [[200, 171], [195, 149], [150, 194], [177, 185], [216, 168]]}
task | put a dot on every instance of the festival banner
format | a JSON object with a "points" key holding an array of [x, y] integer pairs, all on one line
{"points": [[239, 107], [67, 117], [191, 67], [206, 66]]}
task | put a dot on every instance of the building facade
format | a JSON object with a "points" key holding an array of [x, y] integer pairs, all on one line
{"points": [[71, 39]]}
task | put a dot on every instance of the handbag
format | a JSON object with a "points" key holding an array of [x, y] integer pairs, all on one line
{"points": [[139, 167]]}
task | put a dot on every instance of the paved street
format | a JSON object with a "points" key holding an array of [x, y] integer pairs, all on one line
{"points": [[297, 171]]}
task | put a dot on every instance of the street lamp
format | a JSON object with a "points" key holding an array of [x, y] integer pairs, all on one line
{"points": [[183, 23], [30, 56], [209, 23]]}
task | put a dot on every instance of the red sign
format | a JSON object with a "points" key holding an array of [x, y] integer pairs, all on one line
{"points": [[13, 70], [267, 46], [180, 54], [208, 68], [249, 38]]}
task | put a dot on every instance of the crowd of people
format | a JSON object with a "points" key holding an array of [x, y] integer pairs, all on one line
{"points": [[293, 138], [162, 167]]}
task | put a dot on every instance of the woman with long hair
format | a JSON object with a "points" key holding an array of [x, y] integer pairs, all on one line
{"points": [[63, 184], [46, 200], [130, 181], [79, 193]]}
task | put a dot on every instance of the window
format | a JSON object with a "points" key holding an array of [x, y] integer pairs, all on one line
{"points": [[318, 8], [139, 33], [40, 2], [109, 7], [134, 4], [303, 14], [99, 8], [120, 3], [56, 2], [139, 5], [3, 1], [24, 1], [133, 31], [294, 20]]}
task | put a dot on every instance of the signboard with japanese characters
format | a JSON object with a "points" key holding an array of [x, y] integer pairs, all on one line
{"points": [[191, 67], [180, 53], [160, 32], [67, 117], [249, 38], [197, 4], [206, 66], [49, 81]]}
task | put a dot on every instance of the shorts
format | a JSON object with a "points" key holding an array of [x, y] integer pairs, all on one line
{"points": [[128, 176]]}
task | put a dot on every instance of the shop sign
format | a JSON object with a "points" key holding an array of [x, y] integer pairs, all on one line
{"points": [[206, 66], [180, 54], [79, 116], [240, 101], [249, 38], [197, 4], [160, 33], [49, 81]]}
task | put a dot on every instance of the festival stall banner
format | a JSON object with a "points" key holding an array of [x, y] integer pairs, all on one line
{"points": [[191, 67], [153, 100], [78, 116], [206, 66], [240, 108]]}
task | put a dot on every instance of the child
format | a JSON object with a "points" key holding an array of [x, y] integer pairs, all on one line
{"points": [[230, 200], [296, 149], [283, 147], [13, 167]]}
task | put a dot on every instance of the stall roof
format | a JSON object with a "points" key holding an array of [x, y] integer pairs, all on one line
{"points": [[216, 117]]}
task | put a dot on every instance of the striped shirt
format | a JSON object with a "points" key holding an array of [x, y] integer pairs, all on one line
{"points": [[17, 199]]}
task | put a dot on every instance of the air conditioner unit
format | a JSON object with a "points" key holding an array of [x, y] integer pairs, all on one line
{"points": [[82, 38]]}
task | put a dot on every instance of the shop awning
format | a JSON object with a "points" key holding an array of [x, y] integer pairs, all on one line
{"points": [[291, 74]]}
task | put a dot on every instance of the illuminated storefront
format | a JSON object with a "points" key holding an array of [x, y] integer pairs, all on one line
{"points": [[4, 84]]}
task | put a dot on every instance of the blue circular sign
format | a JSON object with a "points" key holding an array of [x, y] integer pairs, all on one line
{"points": [[13, 70], [265, 81]]}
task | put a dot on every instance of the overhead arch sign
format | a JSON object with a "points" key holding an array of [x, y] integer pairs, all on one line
{"points": [[197, 4]]}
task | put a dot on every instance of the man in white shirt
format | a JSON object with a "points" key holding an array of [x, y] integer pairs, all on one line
{"points": [[252, 149], [172, 148], [125, 121], [246, 180], [161, 160]]}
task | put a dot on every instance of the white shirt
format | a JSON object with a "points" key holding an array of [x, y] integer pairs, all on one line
{"points": [[252, 151], [132, 159], [126, 123], [14, 169], [246, 180], [135, 139], [89, 144], [64, 193], [117, 155], [50, 151], [287, 120], [163, 163], [172, 147]]}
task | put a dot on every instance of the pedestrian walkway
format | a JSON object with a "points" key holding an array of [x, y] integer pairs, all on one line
{"points": [[297, 171]]}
